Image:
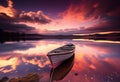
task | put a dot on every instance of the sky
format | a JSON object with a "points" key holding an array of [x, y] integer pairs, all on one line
{"points": [[60, 16]]}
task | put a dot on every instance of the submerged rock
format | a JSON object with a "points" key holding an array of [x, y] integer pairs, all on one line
{"points": [[4, 79], [29, 78]]}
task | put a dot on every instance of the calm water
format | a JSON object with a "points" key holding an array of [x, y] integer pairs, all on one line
{"points": [[93, 62]]}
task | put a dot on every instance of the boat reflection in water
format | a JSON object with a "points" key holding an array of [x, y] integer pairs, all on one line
{"points": [[62, 70], [62, 60]]}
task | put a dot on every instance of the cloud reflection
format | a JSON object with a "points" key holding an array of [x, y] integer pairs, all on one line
{"points": [[94, 62], [12, 63], [9, 47]]}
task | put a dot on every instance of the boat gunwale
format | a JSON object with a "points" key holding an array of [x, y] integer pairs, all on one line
{"points": [[61, 50], [62, 53]]}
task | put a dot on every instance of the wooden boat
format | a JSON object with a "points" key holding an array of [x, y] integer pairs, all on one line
{"points": [[60, 54], [62, 70]]}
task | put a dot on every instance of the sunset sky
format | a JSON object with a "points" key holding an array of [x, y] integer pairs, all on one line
{"points": [[60, 16]]}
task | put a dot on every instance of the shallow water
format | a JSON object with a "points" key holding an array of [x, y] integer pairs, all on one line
{"points": [[93, 62]]}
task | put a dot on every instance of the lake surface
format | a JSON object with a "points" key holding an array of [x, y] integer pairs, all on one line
{"points": [[93, 61]]}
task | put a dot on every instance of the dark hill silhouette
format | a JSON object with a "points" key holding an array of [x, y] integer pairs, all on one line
{"points": [[16, 36]]}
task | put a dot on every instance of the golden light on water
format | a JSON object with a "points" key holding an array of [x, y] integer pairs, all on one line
{"points": [[12, 62], [99, 41]]}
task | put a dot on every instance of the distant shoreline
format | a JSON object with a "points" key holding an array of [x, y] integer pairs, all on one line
{"points": [[14, 36], [41, 37]]}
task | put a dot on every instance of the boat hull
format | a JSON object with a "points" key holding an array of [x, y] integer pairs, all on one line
{"points": [[57, 58]]}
